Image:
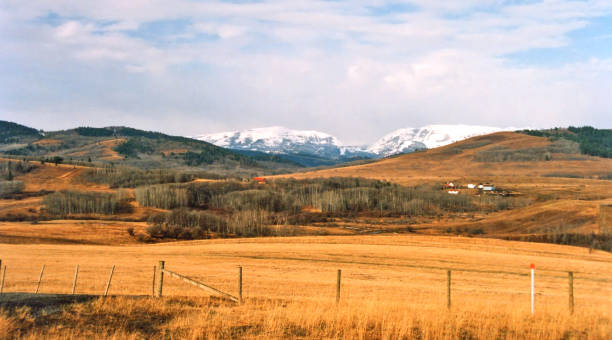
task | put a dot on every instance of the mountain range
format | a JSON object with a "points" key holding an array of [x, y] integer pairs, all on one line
{"points": [[312, 148]]}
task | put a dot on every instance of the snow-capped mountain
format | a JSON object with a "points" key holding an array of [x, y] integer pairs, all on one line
{"points": [[427, 137], [279, 140], [320, 145]]}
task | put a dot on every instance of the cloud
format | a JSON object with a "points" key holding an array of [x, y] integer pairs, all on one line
{"points": [[356, 69]]}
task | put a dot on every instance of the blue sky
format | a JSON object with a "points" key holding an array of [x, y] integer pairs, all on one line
{"points": [[355, 69]]}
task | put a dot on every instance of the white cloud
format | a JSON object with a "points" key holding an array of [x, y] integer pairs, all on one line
{"points": [[305, 64]]}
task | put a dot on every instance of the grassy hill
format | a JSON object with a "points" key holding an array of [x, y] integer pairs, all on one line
{"points": [[133, 147], [561, 188], [480, 159], [14, 136], [594, 142]]}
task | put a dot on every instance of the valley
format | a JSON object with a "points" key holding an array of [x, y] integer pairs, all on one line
{"points": [[393, 227]]}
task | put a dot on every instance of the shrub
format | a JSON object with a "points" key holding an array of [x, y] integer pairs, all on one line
{"points": [[8, 188], [185, 224], [475, 231], [124, 177], [162, 196], [249, 209], [77, 202], [254, 199], [590, 141], [8, 170]]}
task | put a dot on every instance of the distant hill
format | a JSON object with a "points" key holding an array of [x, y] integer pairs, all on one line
{"points": [[306, 147], [408, 140], [552, 186], [15, 133], [481, 158], [315, 148], [592, 141], [139, 148]]}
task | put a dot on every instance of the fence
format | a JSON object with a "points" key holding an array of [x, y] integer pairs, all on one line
{"points": [[160, 270]]}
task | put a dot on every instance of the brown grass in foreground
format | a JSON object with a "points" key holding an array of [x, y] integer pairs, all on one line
{"points": [[392, 287], [197, 318]]}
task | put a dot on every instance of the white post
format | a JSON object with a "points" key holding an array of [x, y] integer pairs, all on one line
{"points": [[532, 288]]}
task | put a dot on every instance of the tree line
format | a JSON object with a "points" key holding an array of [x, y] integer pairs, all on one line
{"points": [[592, 141], [249, 207], [70, 202]]}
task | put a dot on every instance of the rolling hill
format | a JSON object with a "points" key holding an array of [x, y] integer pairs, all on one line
{"points": [[14, 136], [562, 189], [315, 148], [133, 147], [306, 147], [479, 159]]}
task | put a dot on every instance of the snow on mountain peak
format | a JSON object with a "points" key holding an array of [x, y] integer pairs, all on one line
{"points": [[275, 139], [281, 140], [430, 136]]}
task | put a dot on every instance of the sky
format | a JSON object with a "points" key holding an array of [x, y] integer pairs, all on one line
{"points": [[355, 69]]}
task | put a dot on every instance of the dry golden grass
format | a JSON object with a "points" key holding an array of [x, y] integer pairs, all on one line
{"points": [[102, 150], [444, 163], [61, 177], [146, 318], [70, 232], [50, 177], [564, 199], [47, 141], [392, 287], [174, 151]]}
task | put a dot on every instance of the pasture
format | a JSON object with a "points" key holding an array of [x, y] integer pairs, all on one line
{"points": [[392, 287]]}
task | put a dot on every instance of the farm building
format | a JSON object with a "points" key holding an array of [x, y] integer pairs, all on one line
{"points": [[471, 186], [260, 180]]}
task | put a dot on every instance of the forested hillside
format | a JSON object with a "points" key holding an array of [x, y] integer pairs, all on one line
{"points": [[132, 147], [592, 141], [15, 133]]}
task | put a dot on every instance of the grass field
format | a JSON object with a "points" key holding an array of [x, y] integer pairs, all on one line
{"points": [[392, 286]]}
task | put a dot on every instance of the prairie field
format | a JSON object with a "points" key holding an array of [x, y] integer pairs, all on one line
{"points": [[391, 287], [393, 267]]}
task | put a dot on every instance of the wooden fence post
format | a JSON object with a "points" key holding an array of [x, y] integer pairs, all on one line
{"points": [[2, 282], [74, 283], [448, 289], [338, 278], [39, 279], [571, 292], [153, 287], [160, 278], [110, 277], [240, 284]]}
